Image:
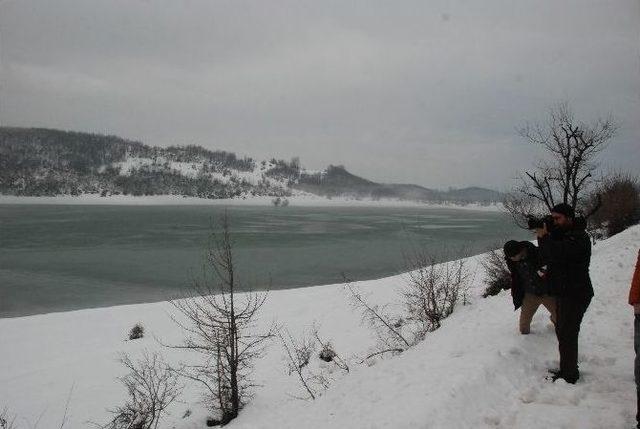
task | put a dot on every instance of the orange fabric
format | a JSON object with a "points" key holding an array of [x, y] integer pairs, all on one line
{"points": [[634, 293]]}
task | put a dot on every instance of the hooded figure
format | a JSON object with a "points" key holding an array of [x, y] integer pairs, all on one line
{"points": [[529, 287]]}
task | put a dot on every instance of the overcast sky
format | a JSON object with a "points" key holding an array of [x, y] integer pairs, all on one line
{"points": [[425, 92]]}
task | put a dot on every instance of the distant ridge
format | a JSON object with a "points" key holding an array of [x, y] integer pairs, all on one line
{"points": [[46, 162]]}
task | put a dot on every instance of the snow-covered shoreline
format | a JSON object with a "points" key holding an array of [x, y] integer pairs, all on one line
{"points": [[306, 200], [475, 371]]}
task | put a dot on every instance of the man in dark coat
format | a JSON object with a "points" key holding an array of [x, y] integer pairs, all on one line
{"points": [[566, 250], [529, 287]]}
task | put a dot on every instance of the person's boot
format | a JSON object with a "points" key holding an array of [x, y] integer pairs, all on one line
{"points": [[553, 375], [569, 378]]}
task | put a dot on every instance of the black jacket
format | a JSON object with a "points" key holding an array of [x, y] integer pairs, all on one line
{"points": [[567, 253], [526, 280]]}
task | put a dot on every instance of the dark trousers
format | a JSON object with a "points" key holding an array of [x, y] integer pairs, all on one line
{"points": [[570, 311], [636, 347]]}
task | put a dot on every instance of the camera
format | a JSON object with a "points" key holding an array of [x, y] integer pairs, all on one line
{"points": [[535, 223]]}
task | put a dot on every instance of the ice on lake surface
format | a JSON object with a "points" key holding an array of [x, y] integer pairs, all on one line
{"points": [[55, 258]]}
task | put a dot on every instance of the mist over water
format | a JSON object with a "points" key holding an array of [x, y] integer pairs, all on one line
{"points": [[55, 258]]}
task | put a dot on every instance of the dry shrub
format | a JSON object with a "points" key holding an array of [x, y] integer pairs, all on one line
{"points": [[313, 376], [498, 277], [7, 420], [152, 386], [432, 291], [618, 198], [136, 332]]}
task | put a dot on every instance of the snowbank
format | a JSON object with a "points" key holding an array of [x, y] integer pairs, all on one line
{"points": [[476, 371]]}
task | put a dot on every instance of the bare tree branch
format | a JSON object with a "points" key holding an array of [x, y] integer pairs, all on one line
{"points": [[567, 174]]}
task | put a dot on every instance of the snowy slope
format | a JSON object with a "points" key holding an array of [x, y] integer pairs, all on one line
{"points": [[195, 169], [476, 371]]}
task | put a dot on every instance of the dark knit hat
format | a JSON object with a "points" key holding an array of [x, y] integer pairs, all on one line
{"points": [[564, 209], [512, 248]]}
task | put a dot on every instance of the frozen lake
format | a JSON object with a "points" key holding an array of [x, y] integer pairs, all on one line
{"points": [[64, 257]]}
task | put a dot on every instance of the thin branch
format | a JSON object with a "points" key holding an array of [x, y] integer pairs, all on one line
{"points": [[381, 352]]}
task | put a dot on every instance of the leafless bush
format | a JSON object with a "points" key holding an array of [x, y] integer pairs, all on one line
{"points": [[152, 386], [299, 354], [7, 420], [136, 332], [328, 353], [391, 339], [432, 291], [616, 204], [430, 295], [221, 328], [497, 277]]}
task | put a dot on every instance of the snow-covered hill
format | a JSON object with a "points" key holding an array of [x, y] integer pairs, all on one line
{"points": [[45, 162], [475, 371]]}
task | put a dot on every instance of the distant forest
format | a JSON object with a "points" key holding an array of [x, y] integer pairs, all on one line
{"points": [[40, 162], [46, 162]]}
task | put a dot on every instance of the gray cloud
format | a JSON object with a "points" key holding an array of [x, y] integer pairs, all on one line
{"points": [[412, 91]]}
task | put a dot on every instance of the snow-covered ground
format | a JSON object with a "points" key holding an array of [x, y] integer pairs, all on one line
{"points": [[191, 169], [476, 371], [302, 199]]}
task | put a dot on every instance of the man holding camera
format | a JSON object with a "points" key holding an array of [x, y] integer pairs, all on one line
{"points": [[565, 248]]}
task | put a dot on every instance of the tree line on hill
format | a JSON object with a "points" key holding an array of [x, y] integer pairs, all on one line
{"points": [[45, 162]]}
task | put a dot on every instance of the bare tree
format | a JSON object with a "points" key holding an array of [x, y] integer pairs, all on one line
{"points": [[152, 387], [221, 328], [567, 172]]}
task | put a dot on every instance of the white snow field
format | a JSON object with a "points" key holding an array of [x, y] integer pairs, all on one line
{"points": [[476, 371]]}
